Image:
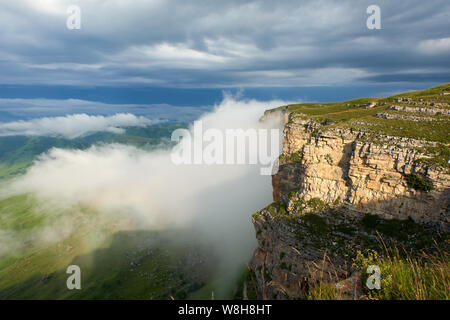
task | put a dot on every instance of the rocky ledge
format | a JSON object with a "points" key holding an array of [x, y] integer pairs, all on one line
{"points": [[340, 190]]}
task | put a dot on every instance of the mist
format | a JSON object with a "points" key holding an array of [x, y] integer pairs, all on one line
{"points": [[74, 125], [215, 201]]}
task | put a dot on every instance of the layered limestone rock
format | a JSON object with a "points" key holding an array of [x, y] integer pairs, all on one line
{"points": [[408, 118], [329, 186], [339, 166]]}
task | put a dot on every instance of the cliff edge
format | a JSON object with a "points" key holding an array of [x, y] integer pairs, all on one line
{"points": [[350, 174]]}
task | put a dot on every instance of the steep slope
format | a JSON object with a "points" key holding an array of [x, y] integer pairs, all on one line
{"points": [[350, 173]]}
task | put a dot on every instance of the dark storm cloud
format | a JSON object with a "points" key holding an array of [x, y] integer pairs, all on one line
{"points": [[223, 43]]}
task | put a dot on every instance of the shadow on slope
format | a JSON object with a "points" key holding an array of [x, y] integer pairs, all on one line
{"points": [[136, 265]]}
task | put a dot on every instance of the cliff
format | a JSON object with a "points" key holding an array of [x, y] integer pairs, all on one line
{"points": [[351, 173]]}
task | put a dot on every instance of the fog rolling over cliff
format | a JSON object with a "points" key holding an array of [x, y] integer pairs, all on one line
{"points": [[215, 200]]}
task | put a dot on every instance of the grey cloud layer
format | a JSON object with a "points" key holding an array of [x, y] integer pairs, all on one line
{"points": [[28, 109], [223, 43]]}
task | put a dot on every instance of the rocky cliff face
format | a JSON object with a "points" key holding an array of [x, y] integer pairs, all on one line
{"points": [[336, 191], [339, 166]]}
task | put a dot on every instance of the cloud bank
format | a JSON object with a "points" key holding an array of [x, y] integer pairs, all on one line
{"points": [[215, 200], [27, 109], [73, 126]]}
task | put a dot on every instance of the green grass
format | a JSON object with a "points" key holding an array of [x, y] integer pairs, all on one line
{"points": [[293, 157], [8, 171], [408, 277], [440, 155], [431, 92], [165, 263], [403, 276], [158, 271], [324, 291], [416, 274], [352, 115], [21, 213], [437, 131]]}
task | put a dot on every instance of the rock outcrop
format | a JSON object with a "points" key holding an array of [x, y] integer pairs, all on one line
{"points": [[339, 166], [335, 192]]}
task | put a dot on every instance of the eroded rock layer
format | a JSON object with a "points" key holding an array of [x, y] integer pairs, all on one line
{"points": [[339, 189]]}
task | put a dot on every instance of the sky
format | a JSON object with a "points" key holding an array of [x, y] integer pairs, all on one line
{"points": [[188, 53]]}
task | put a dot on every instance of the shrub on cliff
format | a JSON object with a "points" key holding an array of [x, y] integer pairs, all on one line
{"points": [[296, 157], [418, 183]]}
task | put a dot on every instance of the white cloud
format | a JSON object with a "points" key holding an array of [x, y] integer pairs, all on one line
{"points": [[65, 66], [164, 55], [181, 53], [435, 46], [51, 7], [216, 200], [72, 126]]}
